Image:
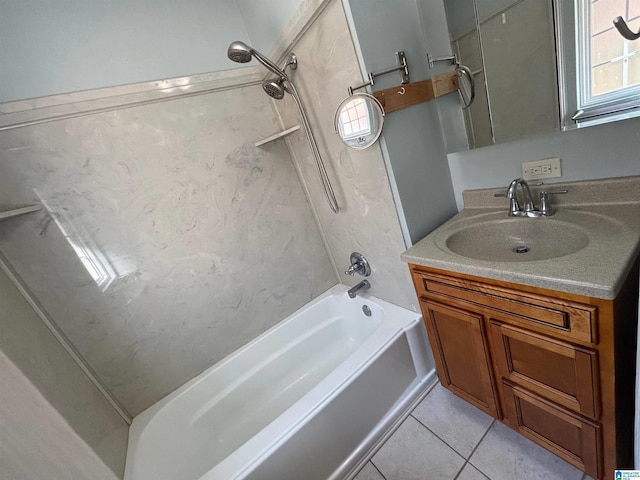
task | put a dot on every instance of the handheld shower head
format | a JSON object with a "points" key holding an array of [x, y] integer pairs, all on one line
{"points": [[239, 52], [274, 87]]}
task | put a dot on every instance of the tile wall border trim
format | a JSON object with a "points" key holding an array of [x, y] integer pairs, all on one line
{"points": [[35, 111], [23, 113]]}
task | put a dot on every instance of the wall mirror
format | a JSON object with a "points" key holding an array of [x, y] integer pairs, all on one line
{"points": [[510, 47], [531, 58], [358, 120]]}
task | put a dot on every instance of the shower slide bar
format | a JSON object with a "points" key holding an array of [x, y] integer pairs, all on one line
{"points": [[240, 52]]}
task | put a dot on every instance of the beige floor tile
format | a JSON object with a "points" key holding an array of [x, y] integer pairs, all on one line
{"points": [[469, 472], [369, 472], [415, 453], [458, 423], [505, 455]]}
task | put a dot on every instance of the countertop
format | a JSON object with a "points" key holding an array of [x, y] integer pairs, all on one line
{"points": [[597, 270]]}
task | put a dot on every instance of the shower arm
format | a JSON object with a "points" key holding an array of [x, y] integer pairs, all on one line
{"points": [[270, 65], [324, 178]]}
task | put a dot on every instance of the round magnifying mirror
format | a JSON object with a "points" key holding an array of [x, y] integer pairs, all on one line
{"points": [[359, 120]]}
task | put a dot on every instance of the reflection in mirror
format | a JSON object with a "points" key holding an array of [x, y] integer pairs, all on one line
{"points": [[545, 65], [358, 120], [511, 49], [609, 69]]}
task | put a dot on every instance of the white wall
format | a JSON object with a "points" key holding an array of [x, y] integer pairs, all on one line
{"points": [[57, 47]]}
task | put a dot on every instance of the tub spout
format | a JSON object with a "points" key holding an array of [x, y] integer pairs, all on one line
{"points": [[363, 285]]}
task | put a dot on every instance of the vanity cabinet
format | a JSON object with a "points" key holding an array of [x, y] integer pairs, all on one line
{"points": [[558, 368], [463, 354]]}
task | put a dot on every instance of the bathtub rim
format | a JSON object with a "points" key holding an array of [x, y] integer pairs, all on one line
{"points": [[141, 421], [380, 435], [290, 429]]}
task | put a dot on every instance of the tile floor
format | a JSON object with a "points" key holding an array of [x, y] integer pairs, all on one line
{"points": [[445, 438]]}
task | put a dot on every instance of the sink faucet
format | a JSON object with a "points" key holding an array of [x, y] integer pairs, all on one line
{"points": [[528, 209], [514, 206], [363, 285]]}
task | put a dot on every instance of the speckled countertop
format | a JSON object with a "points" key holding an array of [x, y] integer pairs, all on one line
{"points": [[604, 213]]}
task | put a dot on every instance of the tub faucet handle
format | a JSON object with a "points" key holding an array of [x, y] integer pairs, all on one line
{"points": [[359, 264]]}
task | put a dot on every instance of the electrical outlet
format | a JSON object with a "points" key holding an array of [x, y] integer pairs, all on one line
{"points": [[540, 169]]}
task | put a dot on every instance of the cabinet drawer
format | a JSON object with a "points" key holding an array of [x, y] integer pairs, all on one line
{"points": [[461, 354], [561, 372], [560, 318], [571, 437]]}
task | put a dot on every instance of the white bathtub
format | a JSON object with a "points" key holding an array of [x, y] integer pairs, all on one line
{"points": [[308, 399]]}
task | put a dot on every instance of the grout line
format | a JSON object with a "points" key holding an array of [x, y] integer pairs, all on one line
{"points": [[439, 438], [466, 460], [461, 469], [377, 469], [474, 450], [451, 447]]}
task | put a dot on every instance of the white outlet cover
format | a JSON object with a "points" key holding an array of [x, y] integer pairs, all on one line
{"points": [[541, 169]]}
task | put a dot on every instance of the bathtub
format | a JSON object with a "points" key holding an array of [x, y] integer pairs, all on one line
{"points": [[308, 399]]}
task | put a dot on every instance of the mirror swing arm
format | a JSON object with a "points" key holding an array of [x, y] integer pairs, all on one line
{"points": [[402, 67], [359, 117], [354, 135]]}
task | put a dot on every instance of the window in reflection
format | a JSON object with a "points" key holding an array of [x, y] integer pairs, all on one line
{"points": [[93, 259], [610, 64], [355, 119]]}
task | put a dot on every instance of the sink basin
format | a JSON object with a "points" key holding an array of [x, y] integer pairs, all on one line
{"points": [[517, 240]]}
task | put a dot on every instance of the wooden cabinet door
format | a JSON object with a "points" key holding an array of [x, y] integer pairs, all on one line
{"points": [[461, 353], [565, 433], [557, 370]]}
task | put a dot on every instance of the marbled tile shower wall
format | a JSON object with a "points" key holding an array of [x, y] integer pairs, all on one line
{"points": [[368, 221], [170, 240]]}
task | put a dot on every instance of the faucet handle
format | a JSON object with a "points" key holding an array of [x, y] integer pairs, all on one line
{"points": [[359, 264], [545, 207]]}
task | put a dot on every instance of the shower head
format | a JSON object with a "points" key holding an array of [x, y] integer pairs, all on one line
{"points": [[274, 87], [241, 52]]}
